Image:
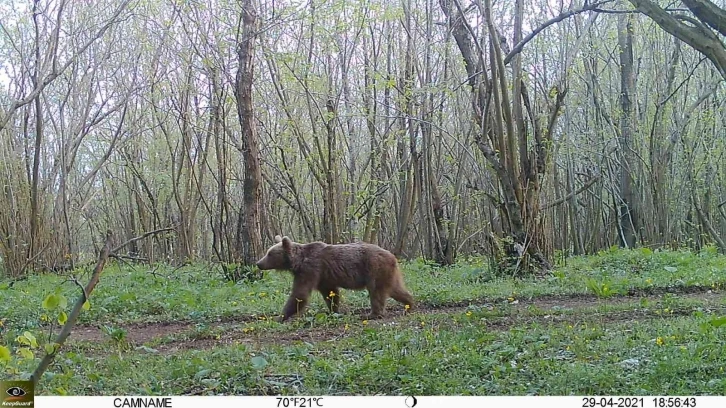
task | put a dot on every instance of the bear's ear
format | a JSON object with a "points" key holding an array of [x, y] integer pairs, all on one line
{"points": [[287, 244], [278, 239]]}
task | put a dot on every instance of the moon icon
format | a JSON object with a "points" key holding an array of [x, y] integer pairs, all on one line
{"points": [[411, 401]]}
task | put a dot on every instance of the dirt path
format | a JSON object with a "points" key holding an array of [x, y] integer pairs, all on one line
{"points": [[232, 331]]}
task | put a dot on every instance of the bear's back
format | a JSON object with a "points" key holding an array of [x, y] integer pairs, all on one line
{"points": [[349, 266]]}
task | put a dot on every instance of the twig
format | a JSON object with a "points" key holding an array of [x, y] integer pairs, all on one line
{"points": [[71, 321], [85, 294], [130, 258], [519, 46], [141, 237], [125, 262], [559, 201]]}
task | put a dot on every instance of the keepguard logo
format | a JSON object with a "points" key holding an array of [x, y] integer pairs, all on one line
{"points": [[17, 394]]}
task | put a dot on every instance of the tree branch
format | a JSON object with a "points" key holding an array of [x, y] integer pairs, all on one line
{"points": [[709, 13], [561, 200], [140, 237], [519, 46], [56, 72], [700, 38], [68, 326]]}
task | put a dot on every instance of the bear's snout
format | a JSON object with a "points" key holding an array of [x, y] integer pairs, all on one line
{"points": [[264, 264]]}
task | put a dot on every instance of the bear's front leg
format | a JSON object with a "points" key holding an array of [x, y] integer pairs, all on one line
{"points": [[298, 299], [332, 297]]}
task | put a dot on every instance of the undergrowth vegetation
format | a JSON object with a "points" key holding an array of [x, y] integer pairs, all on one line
{"points": [[575, 332]]}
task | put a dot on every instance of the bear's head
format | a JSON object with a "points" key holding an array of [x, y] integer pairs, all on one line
{"points": [[279, 256]]}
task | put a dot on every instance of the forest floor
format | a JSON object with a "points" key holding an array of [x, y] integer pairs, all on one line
{"points": [[172, 336], [619, 322]]}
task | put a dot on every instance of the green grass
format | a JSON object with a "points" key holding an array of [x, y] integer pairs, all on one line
{"points": [[196, 293], [659, 345], [673, 356]]}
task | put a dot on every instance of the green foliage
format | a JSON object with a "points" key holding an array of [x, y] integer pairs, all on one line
{"points": [[196, 293], [432, 354], [21, 363], [502, 336], [117, 335], [5, 355], [718, 322], [606, 287], [235, 272]]}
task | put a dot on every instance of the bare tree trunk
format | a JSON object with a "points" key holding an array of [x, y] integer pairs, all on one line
{"points": [[249, 237], [408, 158], [628, 219], [332, 176], [34, 199]]}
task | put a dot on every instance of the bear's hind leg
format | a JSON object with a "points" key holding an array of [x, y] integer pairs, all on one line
{"points": [[378, 296], [402, 296], [332, 298]]}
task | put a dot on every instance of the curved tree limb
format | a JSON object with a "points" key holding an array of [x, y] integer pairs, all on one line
{"points": [[709, 13], [698, 37], [103, 256], [519, 46], [73, 316]]}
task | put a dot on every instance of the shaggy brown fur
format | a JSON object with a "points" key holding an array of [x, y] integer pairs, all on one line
{"points": [[327, 268]]}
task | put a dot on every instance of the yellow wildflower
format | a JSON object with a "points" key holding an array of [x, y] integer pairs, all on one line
{"points": [[659, 341], [331, 294], [365, 322], [407, 307], [468, 314]]}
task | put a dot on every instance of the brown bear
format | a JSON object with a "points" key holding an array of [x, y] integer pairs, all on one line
{"points": [[328, 268]]}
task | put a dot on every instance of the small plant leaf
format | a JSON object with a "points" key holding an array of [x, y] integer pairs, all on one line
{"points": [[86, 305], [4, 354], [62, 318], [50, 302], [202, 373], [670, 268], [259, 362], [718, 322], [26, 353], [49, 348], [62, 302], [31, 339], [147, 349]]}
